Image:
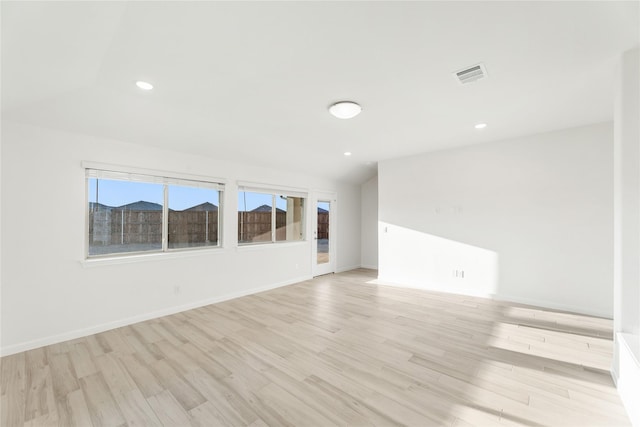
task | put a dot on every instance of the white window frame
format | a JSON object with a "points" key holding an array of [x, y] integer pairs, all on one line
{"points": [[274, 191], [132, 174]]}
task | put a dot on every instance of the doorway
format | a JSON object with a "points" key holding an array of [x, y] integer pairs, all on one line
{"points": [[323, 244]]}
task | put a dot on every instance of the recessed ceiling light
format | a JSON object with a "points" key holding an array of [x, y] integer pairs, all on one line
{"points": [[144, 85], [347, 153], [345, 109], [481, 125]]}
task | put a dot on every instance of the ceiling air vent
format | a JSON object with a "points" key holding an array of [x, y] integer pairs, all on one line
{"points": [[470, 74]]}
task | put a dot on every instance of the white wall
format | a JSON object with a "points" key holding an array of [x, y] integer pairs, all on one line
{"points": [[1, 324], [369, 223], [626, 363], [47, 294], [527, 220], [348, 249]]}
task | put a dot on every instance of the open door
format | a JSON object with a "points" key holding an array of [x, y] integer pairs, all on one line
{"points": [[323, 253]]}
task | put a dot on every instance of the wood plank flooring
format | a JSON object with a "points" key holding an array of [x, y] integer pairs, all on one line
{"points": [[336, 350]]}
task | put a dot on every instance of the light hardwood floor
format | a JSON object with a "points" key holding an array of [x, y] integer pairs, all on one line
{"points": [[336, 350]]}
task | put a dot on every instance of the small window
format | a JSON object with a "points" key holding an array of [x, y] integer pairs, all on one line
{"points": [[130, 213], [254, 217], [289, 216], [193, 217], [269, 217]]}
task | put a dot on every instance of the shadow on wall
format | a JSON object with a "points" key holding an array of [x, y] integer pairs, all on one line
{"points": [[422, 260]]}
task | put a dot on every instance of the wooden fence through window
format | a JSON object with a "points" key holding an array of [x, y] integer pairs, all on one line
{"points": [[118, 226]]}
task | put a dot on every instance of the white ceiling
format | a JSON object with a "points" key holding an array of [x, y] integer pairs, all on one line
{"points": [[252, 81]]}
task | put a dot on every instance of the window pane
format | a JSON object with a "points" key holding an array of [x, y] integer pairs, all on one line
{"points": [[254, 217], [324, 210], [124, 216], [289, 215], [193, 217]]}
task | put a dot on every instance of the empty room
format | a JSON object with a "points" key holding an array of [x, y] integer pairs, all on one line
{"points": [[320, 213]]}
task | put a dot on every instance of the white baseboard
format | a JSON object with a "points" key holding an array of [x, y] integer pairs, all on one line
{"points": [[554, 306], [370, 267], [626, 374], [387, 281], [347, 268], [79, 333], [498, 297]]}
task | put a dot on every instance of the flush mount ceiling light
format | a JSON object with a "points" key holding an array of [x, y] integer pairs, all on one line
{"points": [[144, 85], [345, 109], [347, 153], [481, 126]]}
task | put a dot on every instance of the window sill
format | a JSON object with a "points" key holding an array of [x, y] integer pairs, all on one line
{"points": [[156, 256], [248, 247]]}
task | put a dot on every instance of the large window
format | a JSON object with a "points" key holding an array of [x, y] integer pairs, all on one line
{"points": [[147, 213], [268, 217]]}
